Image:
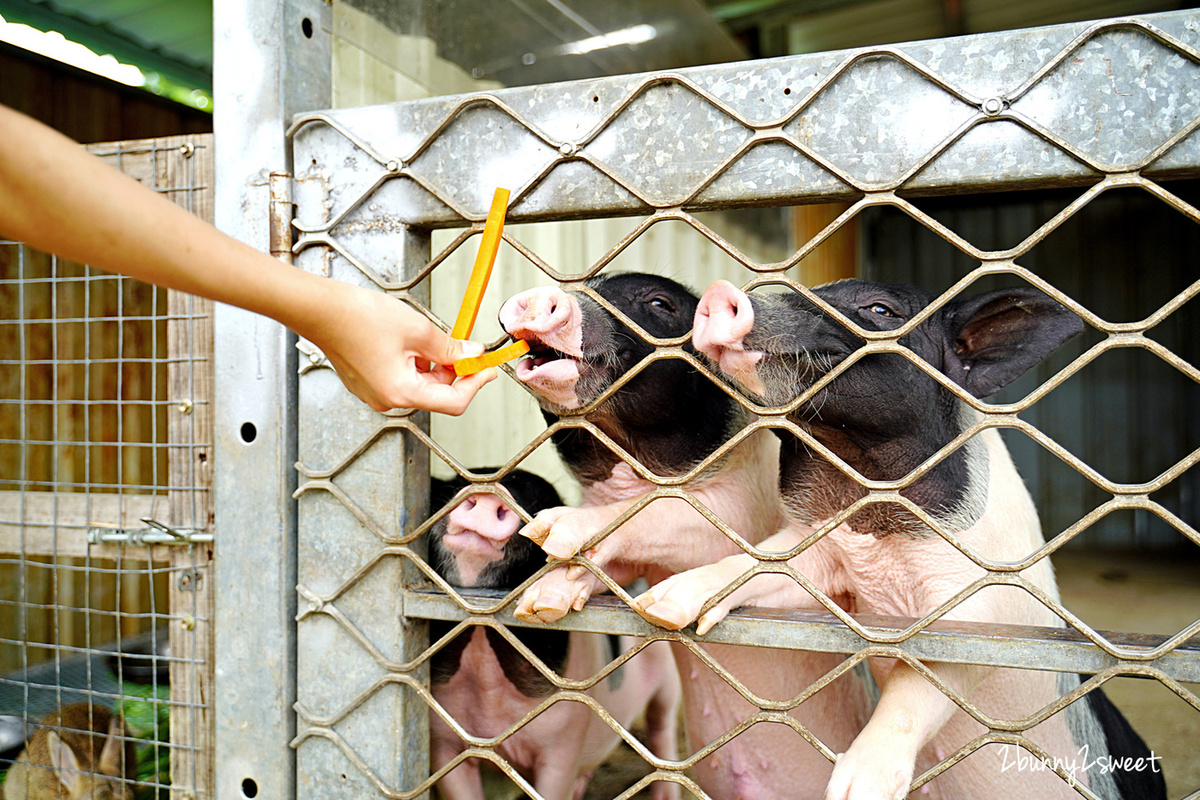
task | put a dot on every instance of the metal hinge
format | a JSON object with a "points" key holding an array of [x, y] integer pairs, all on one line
{"points": [[156, 533], [280, 215]]}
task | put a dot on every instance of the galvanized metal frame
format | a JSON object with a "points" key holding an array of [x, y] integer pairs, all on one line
{"points": [[272, 60], [364, 175]]}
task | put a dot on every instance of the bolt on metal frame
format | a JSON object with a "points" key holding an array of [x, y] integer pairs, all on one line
{"points": [[976, 113]]}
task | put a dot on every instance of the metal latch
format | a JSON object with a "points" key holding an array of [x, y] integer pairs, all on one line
{"points": [[156, 533]]}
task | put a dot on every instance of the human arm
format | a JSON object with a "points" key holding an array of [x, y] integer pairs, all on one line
{"points": [[57, 198]]}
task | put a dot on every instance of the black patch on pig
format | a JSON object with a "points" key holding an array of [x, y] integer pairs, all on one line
{"points": [[521, 559], [1124, 743], [669, 416], [884, 416]]}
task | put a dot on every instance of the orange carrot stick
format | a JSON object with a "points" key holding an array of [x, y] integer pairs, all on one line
{"points": [[473, 364], [488, 245]]}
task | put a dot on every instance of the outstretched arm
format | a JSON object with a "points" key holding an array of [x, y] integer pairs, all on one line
{"points": [[58, 198]]}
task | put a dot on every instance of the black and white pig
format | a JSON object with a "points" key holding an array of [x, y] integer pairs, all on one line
{"points": [[669, 417], [487, 686], [884, 417]]}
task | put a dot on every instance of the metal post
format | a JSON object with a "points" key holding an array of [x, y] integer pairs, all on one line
{"points": [[272, 61], [363, 728]]}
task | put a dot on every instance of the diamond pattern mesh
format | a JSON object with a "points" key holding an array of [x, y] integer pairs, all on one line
{"points": [[1106, 107]]}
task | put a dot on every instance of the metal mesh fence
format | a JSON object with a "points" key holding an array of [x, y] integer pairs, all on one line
{"points": [[104, 512], [1103, 108]]}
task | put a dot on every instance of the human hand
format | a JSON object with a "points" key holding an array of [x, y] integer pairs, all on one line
{"points": [[389, 355]]}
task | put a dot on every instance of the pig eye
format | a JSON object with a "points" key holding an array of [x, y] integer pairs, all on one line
{"points": [[661, 303], [881, 310]]}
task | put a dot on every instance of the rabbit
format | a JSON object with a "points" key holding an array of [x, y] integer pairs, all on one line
{"points": [[60, 760]]}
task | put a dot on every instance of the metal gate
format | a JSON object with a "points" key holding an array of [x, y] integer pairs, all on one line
{"points": [[1101, 107]]}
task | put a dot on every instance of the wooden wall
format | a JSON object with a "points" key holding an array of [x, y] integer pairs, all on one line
{"points": [[84, 417], [86, 107]]}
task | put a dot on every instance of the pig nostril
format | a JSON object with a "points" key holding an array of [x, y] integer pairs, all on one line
{"points": [[501, 513]]}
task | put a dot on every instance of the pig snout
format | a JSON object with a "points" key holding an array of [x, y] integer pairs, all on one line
{"points": [[485, 515], [724, 318], [551, 322], [545, 315]]}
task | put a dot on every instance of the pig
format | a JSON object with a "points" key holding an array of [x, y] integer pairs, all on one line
{"points": [[884, 417], [670, 417], [487, 686]]}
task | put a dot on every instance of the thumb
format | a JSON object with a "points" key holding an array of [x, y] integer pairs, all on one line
{"points": [[439, 348], [465, 348]]}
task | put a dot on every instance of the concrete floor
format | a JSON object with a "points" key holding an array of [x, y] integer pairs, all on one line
{"points": [[1144, 594]]}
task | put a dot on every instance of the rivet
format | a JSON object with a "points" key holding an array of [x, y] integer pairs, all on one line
{"points": [[568, 148], [395, 165], [185, 406], [993, 105], [187, 149]]}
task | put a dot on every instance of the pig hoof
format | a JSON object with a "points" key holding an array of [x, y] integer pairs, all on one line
{"points": [[558, 547], [663, 613], [548, 613], [526, 615], [537, 531]]}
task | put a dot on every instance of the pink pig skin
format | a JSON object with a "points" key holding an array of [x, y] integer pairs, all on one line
{"points": [[558, 750], [669, 536], [915, 724]]}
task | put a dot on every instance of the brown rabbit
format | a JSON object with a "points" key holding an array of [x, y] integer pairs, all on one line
{"points": [[61, 761]]}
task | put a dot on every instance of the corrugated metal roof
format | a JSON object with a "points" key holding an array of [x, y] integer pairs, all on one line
{"points": [[174, 37], [790, 27], [171, 37]]}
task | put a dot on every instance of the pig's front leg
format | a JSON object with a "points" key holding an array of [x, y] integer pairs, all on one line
{"points": [[565, 589], [879, 763], [555, 594], [677, 601], [668, 534], [464, 782], [562, 532]]}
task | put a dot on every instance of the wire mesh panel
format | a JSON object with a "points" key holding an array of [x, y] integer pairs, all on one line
{"points": [[1100, 108], [104, 513]]}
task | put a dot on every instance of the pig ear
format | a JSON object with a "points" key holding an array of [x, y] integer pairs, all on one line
{"points": [[995, 338]]}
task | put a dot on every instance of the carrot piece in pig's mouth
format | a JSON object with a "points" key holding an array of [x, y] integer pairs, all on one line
{"points": [[473, 364]]}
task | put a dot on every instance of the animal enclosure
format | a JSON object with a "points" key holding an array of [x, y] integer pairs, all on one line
{"points": [[392, 197], [1063, 158], [105, 534]]}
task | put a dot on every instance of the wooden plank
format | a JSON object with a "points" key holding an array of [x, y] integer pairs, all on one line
{"points": [[835, 258], [189, 465], [181, 167], [55, 523]]}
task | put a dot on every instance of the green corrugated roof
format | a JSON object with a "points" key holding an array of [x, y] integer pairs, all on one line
{"points": [[170, 37]]}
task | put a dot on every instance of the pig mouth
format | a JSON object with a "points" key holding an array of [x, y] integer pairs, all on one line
{"points": [[546, 365], [472, 543]]}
